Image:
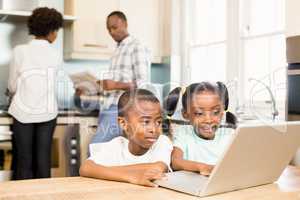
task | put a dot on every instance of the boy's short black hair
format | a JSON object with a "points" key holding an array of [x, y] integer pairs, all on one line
{"points": [[119, 14], [128, 98], [44, 20]]}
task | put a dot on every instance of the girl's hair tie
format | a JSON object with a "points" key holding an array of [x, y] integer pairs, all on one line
{"points": [[183, 89], [168, 117]]}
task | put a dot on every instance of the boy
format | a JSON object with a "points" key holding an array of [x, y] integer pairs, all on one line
{"points": [[143, 155]]}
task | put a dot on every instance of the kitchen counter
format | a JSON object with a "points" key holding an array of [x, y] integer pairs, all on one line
{"points": [[287, 188], [64, 117], [86, 122]]}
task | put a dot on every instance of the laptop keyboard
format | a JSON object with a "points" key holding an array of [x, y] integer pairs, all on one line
{"points": [[188, 182]]}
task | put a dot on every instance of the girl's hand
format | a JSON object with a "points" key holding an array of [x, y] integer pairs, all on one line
{"points": [[146, 177], [205, 169]]}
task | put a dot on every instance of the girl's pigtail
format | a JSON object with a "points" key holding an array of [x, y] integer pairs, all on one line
{"points": [[231, 119], [169, 105]]}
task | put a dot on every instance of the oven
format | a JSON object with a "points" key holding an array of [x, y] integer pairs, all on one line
{"points": [[293, 77]]}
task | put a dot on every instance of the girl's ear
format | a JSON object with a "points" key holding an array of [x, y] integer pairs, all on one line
{"points": [[184, 114], [123, 123]]}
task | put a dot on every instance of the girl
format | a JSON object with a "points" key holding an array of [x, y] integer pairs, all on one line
{"points": [[198, 146], [32, 86]]}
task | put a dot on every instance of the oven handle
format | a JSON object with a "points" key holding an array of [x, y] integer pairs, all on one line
{"points": [[293, 72]]}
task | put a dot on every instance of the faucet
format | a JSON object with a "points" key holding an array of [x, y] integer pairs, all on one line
{"points": [[274, 108], [233, 85], [238, 107]]}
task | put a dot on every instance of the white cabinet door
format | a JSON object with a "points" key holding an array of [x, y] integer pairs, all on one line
{"points": [[146, 20], [87, 37]]}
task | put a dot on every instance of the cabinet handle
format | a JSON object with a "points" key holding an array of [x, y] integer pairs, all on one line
{"points": [[96, 45]]}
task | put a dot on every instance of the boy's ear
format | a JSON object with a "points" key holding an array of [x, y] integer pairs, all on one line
{"points": [[184, 114], [123, 123]]}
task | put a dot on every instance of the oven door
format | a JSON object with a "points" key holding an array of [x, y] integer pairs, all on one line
{"points": [[294, 92]]}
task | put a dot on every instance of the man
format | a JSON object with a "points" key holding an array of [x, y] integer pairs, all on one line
{"points": [[129, 68]]}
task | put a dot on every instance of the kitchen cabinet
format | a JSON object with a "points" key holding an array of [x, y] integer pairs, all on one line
{"points": [[88, 38], [147, 20], [70, 142], [20, 15], [59, 162], [292, 27], [20, 10]]}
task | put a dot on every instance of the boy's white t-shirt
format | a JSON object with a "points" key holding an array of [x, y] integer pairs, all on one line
{"points": [[200, 150], [116, 152]]}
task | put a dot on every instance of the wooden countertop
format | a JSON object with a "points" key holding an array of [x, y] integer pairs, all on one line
{"points": [[75, 188]]}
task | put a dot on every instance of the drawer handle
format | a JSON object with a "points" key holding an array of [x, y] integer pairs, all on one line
{"points": [[96, 45]]}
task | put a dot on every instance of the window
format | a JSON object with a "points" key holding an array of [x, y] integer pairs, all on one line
{"points": [[239, 40], [207, 40]]}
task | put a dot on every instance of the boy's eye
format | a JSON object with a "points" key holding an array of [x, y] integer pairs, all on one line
{"points": [[145, 122], [198, 113]]}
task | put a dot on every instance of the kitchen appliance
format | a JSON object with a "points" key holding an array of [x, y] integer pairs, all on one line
{"points": [[293, 77], [294, 89], [65, 151]]}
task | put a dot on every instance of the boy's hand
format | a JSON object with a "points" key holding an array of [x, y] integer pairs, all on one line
{"points": [[146, 177], [205, 169]]}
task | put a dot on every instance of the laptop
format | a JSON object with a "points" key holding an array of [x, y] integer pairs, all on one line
{"points": [[257, 155]]}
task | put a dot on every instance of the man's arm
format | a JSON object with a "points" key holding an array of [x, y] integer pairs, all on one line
{"points": [[140, 174], [107, 85], [116, 85]]}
